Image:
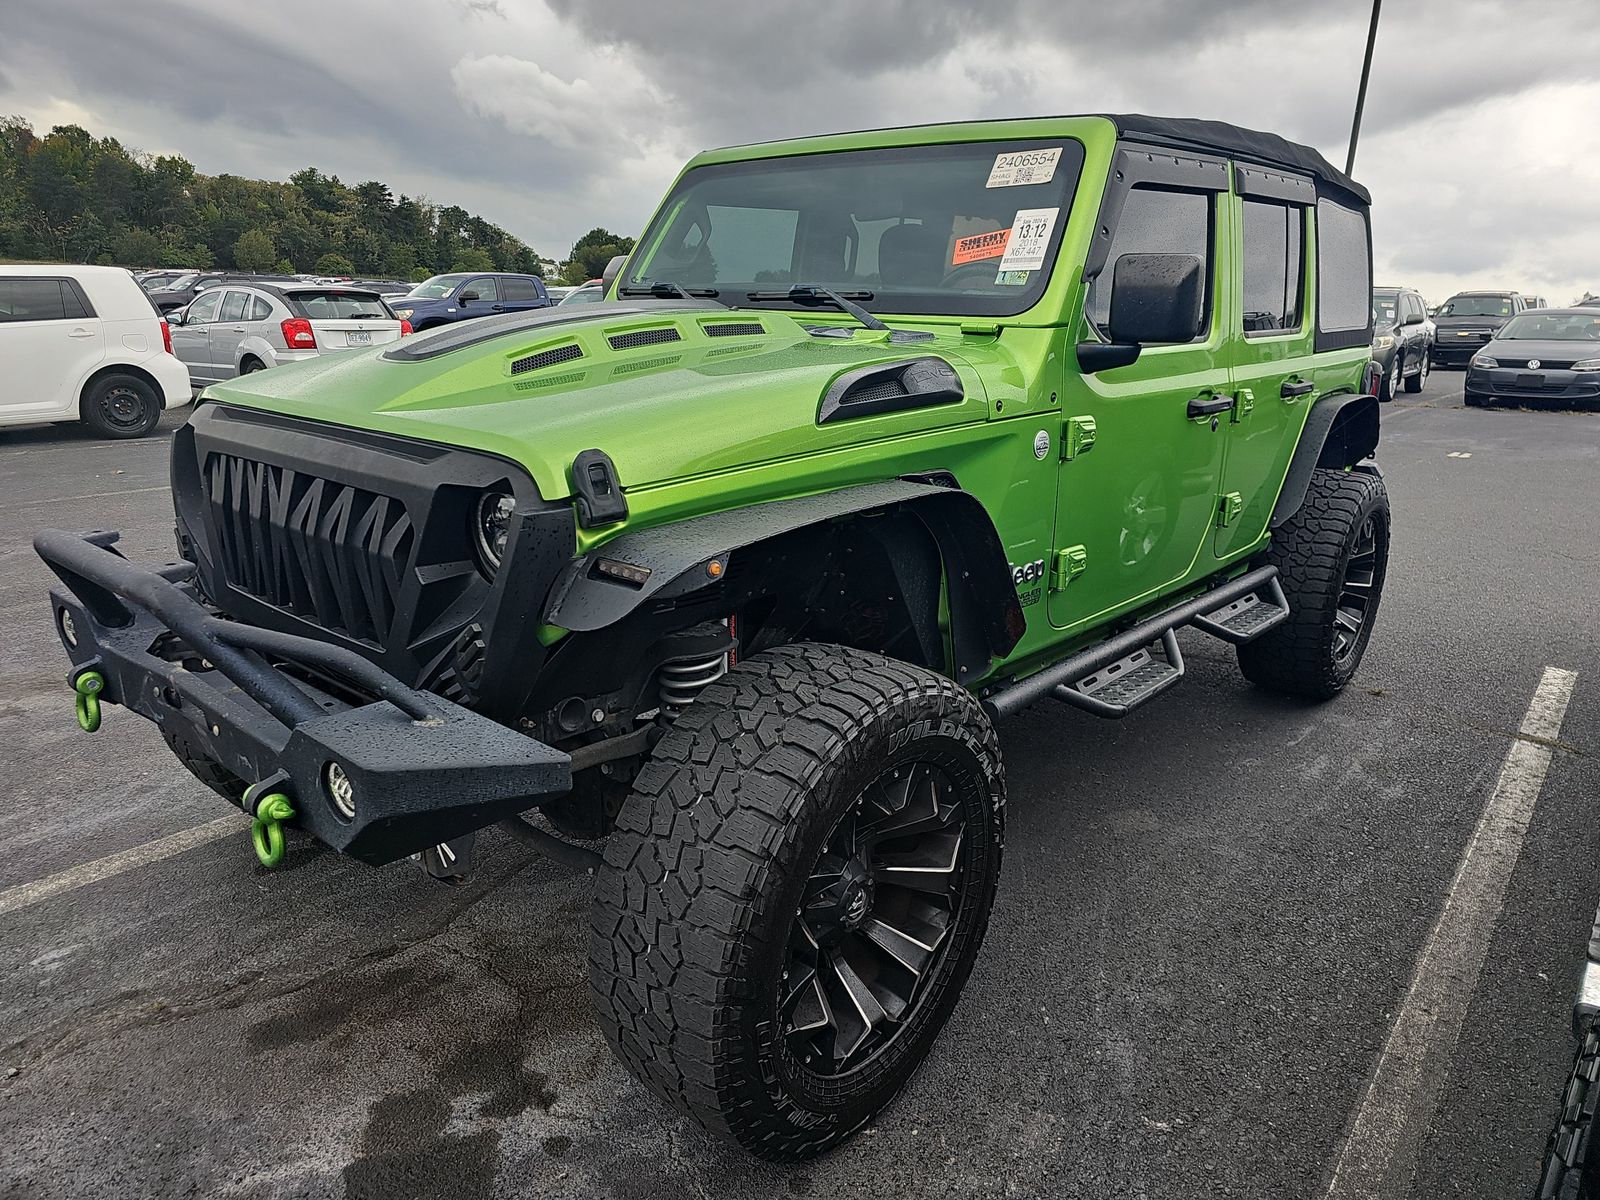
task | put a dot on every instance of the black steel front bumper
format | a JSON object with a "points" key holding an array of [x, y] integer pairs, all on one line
{"points": [[277, 709]]}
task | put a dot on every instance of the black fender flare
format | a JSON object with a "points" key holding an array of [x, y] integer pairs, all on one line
{"points": [[1339, 432], [986, 618]]}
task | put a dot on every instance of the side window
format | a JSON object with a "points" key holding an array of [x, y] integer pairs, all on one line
{"points": [[1156, 221], [518, 289], [1414, 308], [233, 305], [73, 302], [203, 308], [486, 289], [32, 300], [1344, 266], [1274, 267], [259, 309]]}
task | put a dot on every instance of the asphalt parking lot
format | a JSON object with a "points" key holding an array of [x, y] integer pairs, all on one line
{"points": [[1211, 914]]}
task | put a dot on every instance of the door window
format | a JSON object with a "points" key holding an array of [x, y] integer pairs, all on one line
{"points": [[233, 306], [204, 308], [1156, 221], [519, 289], [1274, 267], [486, 289]]}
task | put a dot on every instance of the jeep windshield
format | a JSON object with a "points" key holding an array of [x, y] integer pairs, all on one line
{"points": [[1476, 306], [953, 229]]}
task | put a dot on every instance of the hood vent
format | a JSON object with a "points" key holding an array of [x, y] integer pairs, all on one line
{"points": [[550, 381], [547, 358], [734, 329], [644, 337]]}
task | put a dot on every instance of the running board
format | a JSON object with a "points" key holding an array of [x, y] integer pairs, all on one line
{"points": [[1068, 674], [1117, 689], [1247, 618]]}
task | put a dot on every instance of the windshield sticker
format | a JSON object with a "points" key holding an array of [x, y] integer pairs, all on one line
{"points": [[980, 246], [1011, 279], [1030, 235], [1023, 167]]}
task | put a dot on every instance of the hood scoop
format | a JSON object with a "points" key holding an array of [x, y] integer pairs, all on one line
{"points": [[546, 358], [644, 337]]}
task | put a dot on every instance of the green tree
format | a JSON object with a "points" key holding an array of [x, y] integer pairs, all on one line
{"points": [[473, 258], [421, 274], [283, 267], [591, 253], [254, 251], [335, 264]]}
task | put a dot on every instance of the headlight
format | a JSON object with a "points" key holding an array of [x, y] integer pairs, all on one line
{"points": [[404, 313], [492, 524], [1484, 361], [1588, 364], [1383, 342]]}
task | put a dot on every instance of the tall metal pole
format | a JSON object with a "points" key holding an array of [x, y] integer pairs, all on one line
{"points": [[1361, 96]]}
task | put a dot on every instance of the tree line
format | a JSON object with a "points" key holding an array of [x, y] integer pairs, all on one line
{"points": [[71, 197]]}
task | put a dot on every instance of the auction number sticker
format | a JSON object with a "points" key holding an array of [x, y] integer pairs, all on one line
{"points": [[1021, 167], [1030, 235], [980, 246]]}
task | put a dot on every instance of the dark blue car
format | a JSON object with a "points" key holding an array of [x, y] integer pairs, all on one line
{"points": [[466, 294]]}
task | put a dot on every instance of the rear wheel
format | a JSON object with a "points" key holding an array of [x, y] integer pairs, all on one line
{"points": [[251, 365], [1332, 556], [120, 406], [796, 892]]}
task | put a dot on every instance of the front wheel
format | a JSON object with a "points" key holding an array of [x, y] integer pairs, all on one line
{"points": [[120, 406], [1414, 383], [1390, 383], [796, 892], [1332, 557]]}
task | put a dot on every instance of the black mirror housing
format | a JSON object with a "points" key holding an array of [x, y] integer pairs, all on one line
{"points": [[1157, 299], [466, 296], [613, 269]]}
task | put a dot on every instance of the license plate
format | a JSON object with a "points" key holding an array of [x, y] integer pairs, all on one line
{"points": [[359, 337], [1530, 381]]}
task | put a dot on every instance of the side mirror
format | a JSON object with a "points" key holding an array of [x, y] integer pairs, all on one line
{"points": [[466, 297], [1157, 299], [175, 317], [613, 269], [1412, 319]]}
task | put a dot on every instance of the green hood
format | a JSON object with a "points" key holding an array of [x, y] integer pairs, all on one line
{"points": [[668, 396]]}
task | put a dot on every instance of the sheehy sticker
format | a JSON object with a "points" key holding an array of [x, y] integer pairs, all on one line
{"points": [[1024, 166], [1030, 235], [980, 246]]}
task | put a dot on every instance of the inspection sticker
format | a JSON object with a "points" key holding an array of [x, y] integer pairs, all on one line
{"points": [[980, 246], [1024, 166], [1030, 235]]}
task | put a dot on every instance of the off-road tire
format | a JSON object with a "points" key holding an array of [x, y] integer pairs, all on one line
{"points": [[1312, 552], [203, 767], [702, 884], [120, 406], [1572, 1155], [1415, 383]]}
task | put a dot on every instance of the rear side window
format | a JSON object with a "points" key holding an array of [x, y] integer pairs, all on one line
{"points": [[1274, 267], [1344, 274], [518, 289], [233, 306], [41, 300], [259, 309], [1156, 221], [340, 306]]}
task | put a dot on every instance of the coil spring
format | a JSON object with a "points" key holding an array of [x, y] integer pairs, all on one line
{"points": [[682, 681]]}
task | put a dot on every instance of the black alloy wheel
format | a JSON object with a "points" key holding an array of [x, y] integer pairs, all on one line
{"points": [[1356, 592]]}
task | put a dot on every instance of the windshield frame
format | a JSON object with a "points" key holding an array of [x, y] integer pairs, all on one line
{"points": [[1065, 183]]}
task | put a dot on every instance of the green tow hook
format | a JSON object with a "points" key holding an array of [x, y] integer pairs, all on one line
{"points": [[266, 830], [87, 687]]}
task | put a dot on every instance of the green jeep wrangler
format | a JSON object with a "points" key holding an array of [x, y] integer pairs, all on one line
{"points": [[880, 437]]}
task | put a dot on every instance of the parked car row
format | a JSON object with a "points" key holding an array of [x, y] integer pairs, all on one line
{"points": [[1402, 340]]}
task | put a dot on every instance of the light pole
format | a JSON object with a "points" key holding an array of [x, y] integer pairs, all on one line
{"points": [[1361, 95]]}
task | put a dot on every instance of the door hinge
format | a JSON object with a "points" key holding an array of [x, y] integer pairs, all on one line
{"points": [[1068, 565], [1077, 437], [1244, 403], [1229, 506]]}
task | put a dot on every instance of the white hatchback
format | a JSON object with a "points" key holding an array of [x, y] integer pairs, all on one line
{"points": [[84, 343]]}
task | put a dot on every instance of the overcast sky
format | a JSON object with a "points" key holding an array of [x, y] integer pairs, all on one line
{"points": [[1481, 142]]}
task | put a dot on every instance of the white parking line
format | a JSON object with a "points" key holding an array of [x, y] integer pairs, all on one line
{"points": [[1379, 1155], [25, 894]]}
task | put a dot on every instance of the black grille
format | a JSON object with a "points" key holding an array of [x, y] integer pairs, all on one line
{"points": [[1545, 364], [734, 329], [888, 389], [325, 551], [644, 337], [547, 358]]}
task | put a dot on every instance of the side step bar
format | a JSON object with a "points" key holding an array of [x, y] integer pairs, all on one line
{"points": [[1078, 680]]}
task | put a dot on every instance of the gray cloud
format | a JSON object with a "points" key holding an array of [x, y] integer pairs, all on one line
{"points": [[549, 116]]}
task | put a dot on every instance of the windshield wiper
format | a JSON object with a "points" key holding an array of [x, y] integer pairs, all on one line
{"points": [[811, 296], [665, 289]]}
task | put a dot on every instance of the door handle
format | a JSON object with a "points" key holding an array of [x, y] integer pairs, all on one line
{"points": [[1208, 403], [236, 329], [496, 308], [1293, 389], [81, 333]]}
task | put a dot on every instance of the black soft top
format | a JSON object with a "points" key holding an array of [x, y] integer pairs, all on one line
{"points": [[1266, 148]]}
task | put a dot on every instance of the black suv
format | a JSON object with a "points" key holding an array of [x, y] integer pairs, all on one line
{"points": [[1402, 339], [1469, 319]]}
